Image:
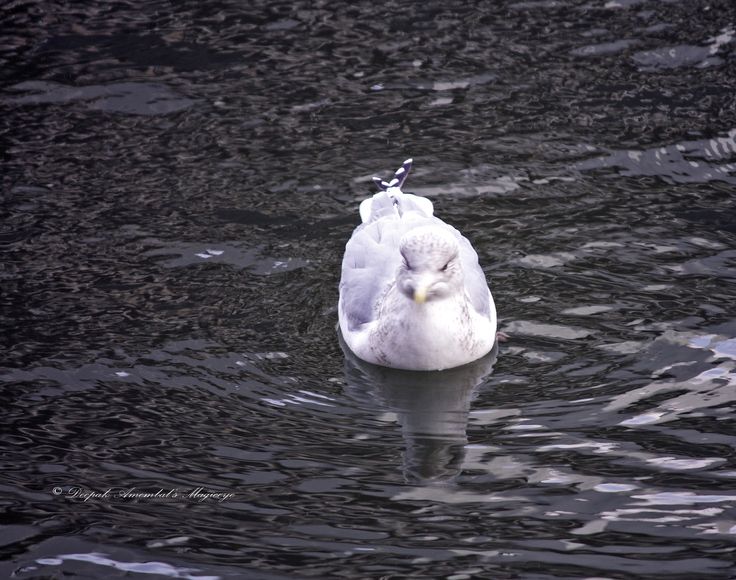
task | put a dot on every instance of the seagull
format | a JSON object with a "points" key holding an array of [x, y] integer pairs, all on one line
{"points": [[412, 294]]}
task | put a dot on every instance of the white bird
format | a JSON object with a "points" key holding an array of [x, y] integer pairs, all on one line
{"points": [[412, 294]]}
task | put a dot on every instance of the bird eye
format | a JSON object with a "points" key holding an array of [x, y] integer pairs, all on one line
{"points": [[444, 268], [406, 264]]}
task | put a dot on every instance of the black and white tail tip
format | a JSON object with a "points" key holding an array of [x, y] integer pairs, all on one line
{"points": [[399, 177]]}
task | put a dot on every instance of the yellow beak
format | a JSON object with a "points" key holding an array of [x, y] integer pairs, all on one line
{"points": [[420, 295]]}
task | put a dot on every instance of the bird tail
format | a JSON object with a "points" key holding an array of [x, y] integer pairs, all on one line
{"points": [[399, 177], [391, 200]]}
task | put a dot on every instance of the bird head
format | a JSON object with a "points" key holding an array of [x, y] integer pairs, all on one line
{"points": [[430, 268]]}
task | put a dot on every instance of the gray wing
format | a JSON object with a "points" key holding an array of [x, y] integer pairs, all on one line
{"points": [[475, 279], [476, 285], [369, 266]]}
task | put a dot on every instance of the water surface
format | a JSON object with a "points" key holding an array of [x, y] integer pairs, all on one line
{"points": [[178, 183]]}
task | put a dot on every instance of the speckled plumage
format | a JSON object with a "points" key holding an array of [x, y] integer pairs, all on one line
{"points": [[412, 294]]}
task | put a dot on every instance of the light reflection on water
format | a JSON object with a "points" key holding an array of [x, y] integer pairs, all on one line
{"points": [[178, 186], [431, 407]]}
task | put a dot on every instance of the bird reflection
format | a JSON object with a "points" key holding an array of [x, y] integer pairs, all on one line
{"points": [[431, 406]]}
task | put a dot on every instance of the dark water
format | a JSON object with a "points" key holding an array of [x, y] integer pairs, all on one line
{"points": [[178, 183]]}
